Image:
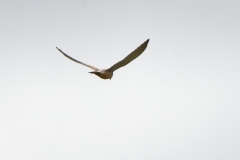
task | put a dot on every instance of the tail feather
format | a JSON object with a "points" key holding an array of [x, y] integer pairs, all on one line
{"points": [[93, 72]]}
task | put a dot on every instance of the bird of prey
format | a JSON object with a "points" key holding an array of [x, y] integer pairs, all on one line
{"points": [[108, 73]]}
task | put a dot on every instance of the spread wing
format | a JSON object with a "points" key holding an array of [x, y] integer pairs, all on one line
{"points": [[94, 68], [130, 57]]}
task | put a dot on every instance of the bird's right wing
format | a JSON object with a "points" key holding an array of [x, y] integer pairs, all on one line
{"points": [[94, 68], [137, 52]]}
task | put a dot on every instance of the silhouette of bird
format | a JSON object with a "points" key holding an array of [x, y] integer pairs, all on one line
{"points": [[108, 73]]}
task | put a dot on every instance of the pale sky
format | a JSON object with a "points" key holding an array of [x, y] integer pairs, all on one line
{"points": [[180, 100]]}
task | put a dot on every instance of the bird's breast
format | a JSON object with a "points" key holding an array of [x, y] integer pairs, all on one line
{"points": [[104, 74]]}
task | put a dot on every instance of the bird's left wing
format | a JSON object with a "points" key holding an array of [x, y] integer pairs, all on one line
{"points": [[94, 68]]}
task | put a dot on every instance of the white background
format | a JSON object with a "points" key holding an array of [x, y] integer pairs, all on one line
{"points": [[178, 101]]}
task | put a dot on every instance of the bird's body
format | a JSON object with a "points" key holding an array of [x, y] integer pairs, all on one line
{"points": [[108, 73], [103, 73]]}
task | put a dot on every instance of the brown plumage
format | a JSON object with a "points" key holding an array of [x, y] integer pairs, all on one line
{"points": [[108, 73]]}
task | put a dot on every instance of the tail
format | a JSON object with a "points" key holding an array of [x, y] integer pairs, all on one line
{"points": [[94, 72]]}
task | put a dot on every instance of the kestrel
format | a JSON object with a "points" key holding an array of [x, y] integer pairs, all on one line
{"points": [[108, 73]]}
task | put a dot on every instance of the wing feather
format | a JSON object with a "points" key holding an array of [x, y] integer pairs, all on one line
{"points": [[94, 68], [133, 55]]}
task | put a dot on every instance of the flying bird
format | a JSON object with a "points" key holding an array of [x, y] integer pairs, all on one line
{"points": [[108, 73]]}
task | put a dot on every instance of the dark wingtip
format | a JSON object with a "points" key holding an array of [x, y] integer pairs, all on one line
{"points": [[59, 50]]}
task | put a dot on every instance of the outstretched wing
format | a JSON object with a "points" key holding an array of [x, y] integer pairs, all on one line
{"points": [[130, 57], [94, 68]]}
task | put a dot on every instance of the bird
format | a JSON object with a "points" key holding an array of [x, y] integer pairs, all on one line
{"points": [[108, 73]]}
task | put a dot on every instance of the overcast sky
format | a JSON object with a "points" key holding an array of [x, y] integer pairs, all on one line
{"points": [[178, 101]]}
